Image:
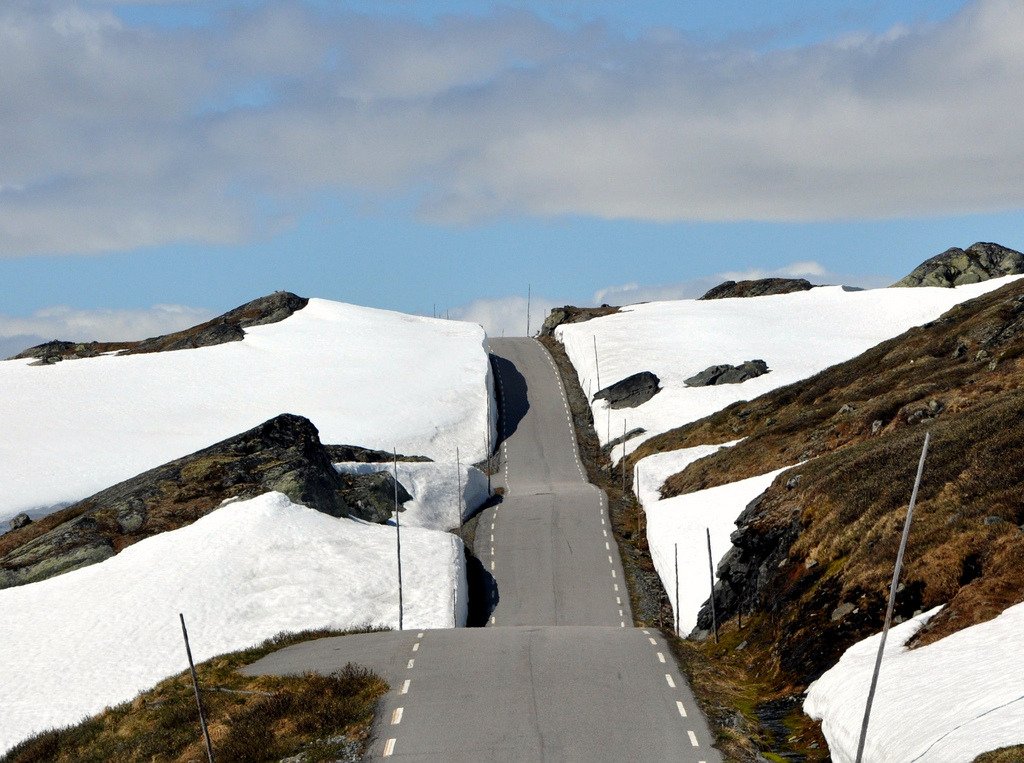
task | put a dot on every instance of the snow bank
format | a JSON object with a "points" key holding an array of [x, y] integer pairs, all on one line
{"points": [[434, 487], [796, 334], [684, 520], [364, 377], [87, 639], [948, 701]]}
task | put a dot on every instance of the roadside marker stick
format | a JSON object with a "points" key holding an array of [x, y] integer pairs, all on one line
{"points": [[195, 686], [528, 295], [622, 466], [398, 543], [458, 489], [892, 599], [675, 609], [711, 569], [597, 366]]}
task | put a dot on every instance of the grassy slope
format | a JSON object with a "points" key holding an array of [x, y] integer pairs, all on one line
{"points": [[260, 718]]}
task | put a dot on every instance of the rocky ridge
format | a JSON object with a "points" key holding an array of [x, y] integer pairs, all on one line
{"points": [[760, 287], [283, 454], [955, 266], [571, 314], [228, 327]]}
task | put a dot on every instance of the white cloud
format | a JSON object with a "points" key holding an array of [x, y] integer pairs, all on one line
{"points": [[61, 322], [506, 316], [115, 137]]}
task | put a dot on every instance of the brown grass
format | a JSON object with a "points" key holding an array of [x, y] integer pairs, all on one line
{"points": [[321, 716]]}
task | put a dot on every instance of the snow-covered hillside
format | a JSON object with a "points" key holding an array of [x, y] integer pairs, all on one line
{"points": [[949, 701], [797, 335], [78, 642], [364, 377]]}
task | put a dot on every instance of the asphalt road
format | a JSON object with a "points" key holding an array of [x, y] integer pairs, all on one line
{"points": [[560, 674]]}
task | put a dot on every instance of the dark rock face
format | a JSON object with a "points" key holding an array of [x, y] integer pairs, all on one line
{"points": [[955, 267], [283, 454], [571, 314], [225, 328], [20, 520], [726, 374], [762, 287], [630, 392], [353, 453]]}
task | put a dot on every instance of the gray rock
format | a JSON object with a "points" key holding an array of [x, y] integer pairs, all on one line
{"points": [[993, 520], [761, 287], [630, 392], [20, 520], [956, 267], [356, 454], [572, 314], [876, 426], [727, 374], [373, 495], [842, 611]]}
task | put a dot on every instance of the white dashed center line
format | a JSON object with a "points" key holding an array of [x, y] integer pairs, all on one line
{"points": [[405, 687], [389, 748], [680, 708], [655, 643], [669, 681], [396, 717], [416, 646], [693, 738], [661, 657]]}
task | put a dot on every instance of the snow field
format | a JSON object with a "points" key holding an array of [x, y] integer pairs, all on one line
{"points": [[685, 520], [436, 502], [364, 377], [797, 335], [97, 636], [949, 701]]}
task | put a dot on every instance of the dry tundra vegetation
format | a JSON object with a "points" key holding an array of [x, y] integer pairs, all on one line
{"points": [[815, 551], [260, 718]]}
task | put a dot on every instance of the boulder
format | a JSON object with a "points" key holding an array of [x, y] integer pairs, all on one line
{"points": [[956, 267], [283, 454], [571, 314], [20, 520], [630, 392], [762, 287], [727, 374]]}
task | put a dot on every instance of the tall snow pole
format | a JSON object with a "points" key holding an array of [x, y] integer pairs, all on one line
{"points": [[622, 466], [458, 482], [675, 609], [892, 600], [711, 569], [195, 686], [528, 295], [487, 445], [597, 366], [398, 541]]}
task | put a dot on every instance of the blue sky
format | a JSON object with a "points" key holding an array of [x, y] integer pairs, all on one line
{"points": [[168, 161]]}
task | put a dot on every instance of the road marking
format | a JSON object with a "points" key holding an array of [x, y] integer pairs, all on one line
{"points": [[389, 748], [613, 573], [646, 632], [605, 533], [693, 738], [668, 679], [661, 657], [492, 540], [653, 642], [419, 635], [607, 547], [620, 613], [405, 687], [396, 717], [411, 663], [616, 586], [622, 624], [680, 708], [492, 565], [602, 520], [492, 548], [610, 560], [618, 600], [416, 646]]}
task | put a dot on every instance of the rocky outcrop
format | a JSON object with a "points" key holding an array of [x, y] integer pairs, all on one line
{"points": [[283, 454], [570, 314], [727, 374], [228, 327], [355, 454], [630, 392], [761, 287], [956, 267], [20, 520]]}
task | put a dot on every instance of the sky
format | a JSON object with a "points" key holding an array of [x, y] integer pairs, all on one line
{"points": [[163, 162]]}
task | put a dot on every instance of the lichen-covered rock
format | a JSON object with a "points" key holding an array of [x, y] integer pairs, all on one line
{"points": [[760, 287], [283, 454], [571, 314], [630, 392], [728, 374], [356, 454], [956, 267]]}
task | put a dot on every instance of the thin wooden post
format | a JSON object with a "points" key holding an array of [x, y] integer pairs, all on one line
{"points": [[676, 607], [597, 366], [892, 600], [195, 686], [398, 544], [487, 444], [711, 569], [458, 481], [622, 466], [528, 295]]}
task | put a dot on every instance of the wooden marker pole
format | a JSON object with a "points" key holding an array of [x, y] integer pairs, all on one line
{"points": [[398, 543], [195, 686]]}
